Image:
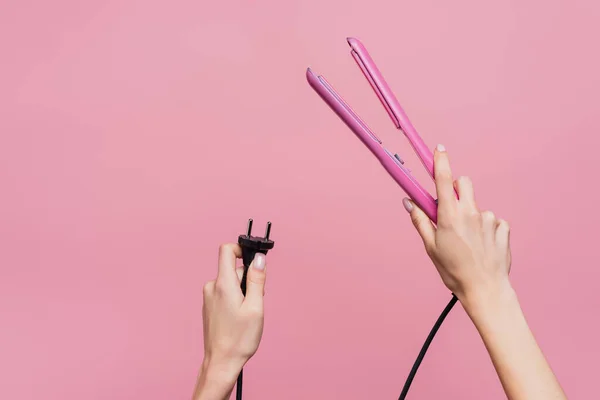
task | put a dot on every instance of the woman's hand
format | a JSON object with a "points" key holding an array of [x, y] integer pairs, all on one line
{"points": [[233, 324], [470, 248], [471, 251]]}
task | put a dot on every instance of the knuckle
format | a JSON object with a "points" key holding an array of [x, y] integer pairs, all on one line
{"points": [[208, 288], [472, 216], [504, 224], [488, 216], [443, 174], [258, 279], [417, 220], [464, 180], [219, 286], [225, 248], [255, 312], [446, 223], [473, 213]]}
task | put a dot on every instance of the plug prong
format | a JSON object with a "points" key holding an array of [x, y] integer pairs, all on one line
{"points": [[268, 231], [249, 230]]}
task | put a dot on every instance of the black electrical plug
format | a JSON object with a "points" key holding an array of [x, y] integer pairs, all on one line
{"points": [[250, 246]]}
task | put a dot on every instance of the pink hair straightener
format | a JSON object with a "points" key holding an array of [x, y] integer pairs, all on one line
{"points": [[391, 162]]}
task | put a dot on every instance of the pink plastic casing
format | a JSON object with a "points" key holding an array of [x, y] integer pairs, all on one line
{"points": [[392, 165], [390, 102]]}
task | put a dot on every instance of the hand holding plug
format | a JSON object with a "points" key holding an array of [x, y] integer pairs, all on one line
{"points": [[233, 315]]}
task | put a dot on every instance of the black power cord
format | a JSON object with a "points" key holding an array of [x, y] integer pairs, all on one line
{"points": [[250, 246], [428, 341]]}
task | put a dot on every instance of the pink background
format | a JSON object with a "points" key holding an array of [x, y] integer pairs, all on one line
{"points": [[138, 135]]}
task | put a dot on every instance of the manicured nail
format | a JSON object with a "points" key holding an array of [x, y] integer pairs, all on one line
{"points": [[440, 148], [259, 261], [407, 204]]}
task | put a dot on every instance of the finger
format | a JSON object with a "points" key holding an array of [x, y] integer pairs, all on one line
{"points": [[488, 226], [422, 223], [255, 283], [466, 194], [443, 180], [503, 234], [228, 254], [240, 273]]}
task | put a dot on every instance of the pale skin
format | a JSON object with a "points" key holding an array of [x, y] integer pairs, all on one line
{"points": [[469, 248], [233, 324], [471, 251]]}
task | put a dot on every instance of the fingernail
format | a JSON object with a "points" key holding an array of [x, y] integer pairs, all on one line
{"points": [[259, 262], [407, 204], [440, 148]]}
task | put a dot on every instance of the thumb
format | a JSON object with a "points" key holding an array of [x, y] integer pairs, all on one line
{"points": [[421, 222], [255, 284]]}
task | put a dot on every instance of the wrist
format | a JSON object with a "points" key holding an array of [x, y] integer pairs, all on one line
{"points": [[217, 378], [487, 302]]}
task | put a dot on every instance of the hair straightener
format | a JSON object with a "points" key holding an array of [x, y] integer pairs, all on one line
{"points": [[392, 163]]}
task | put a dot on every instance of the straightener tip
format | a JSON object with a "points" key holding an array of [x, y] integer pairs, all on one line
{"points": [[351, 41]]}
